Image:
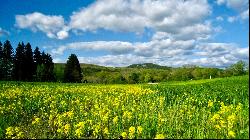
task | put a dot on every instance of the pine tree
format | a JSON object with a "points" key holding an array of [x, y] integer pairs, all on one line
{"points": [[7, 61], [1, 50], [28, 63], [45, 70], [72, 71], [1, 61], [37, 56], [19, 62], [37, 61]]}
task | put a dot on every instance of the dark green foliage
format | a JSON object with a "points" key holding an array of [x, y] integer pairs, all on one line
{"points": [[59, 71], [1, 61], [23, 65], [238, 68], [72, 71], [19, 63], [44, 71], [134, 78], [148, 66], [118, 75], [1, 50], [28, 63], [6, 61], [37, 60]]}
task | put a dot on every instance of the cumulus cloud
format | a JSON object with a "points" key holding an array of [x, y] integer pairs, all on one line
{"points": [[178, 18], [163, 51], [4, 32], [53, 26], [242, 6], [114, 47], [245, 14], [219, 18], [178, 28], [209, 60], [173, 16], [235, 4], [232, 19]]}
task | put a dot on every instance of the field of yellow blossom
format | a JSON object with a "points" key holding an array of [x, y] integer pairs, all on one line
{"points": [[215, 109]]}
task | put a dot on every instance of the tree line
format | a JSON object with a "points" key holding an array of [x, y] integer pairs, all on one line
{"points": [[27, 65], [23, 64], [145, 75]]}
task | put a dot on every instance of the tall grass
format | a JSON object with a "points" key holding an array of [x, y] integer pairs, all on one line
{"points": [[217, 109]]}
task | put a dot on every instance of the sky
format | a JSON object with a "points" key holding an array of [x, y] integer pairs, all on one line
{"points": [[208, 33]]}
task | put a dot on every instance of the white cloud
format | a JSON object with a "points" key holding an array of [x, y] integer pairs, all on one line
{"points": [[4, 32], [178, 26], [114, 47], [220, 2], [51, 25], [231, 19], [173, 16], [219, 18], [178, 18], [235, 4], [244, 14], [242, 6], [176, 61], [62, 34], [163, 51]]}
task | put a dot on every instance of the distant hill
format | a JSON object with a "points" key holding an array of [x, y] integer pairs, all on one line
{"points": [[143, 65], [148, 66], [83, 65]]}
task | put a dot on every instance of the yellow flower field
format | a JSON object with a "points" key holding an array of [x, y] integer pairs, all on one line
{"points": [[217, 109]]}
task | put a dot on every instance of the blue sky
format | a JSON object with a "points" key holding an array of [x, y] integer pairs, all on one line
{"points": [[211, 33]]}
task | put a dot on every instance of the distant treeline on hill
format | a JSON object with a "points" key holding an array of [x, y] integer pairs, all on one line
{"points": [[27, 65]]}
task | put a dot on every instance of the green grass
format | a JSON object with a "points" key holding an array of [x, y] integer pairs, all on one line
{"points": [[212, 108], [193, 81]]}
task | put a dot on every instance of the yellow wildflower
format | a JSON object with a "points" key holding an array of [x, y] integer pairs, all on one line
{"points": [[9, 131], [238, 108], [66, 128], [215, 117], [132, 130], [217, 127], [36, 120], [139, 129], [80, 124], [70, 114], [222, 123], [59, 130], [210, 103], [231, 118], [106, 131], [78, 132], [231, 134], [115, 120], [159, 136], [124, 134], [20, 135]]}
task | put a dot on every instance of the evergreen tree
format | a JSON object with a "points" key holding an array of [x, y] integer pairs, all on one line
{"points": [[72, 71], [19, 62], [37, 60], [28, 63], [45, 69], [1, 50], [1, 61], [7, 61], [37, 56]]}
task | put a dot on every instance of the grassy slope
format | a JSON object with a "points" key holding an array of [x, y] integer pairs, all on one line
{"points": [[191, 82]]}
